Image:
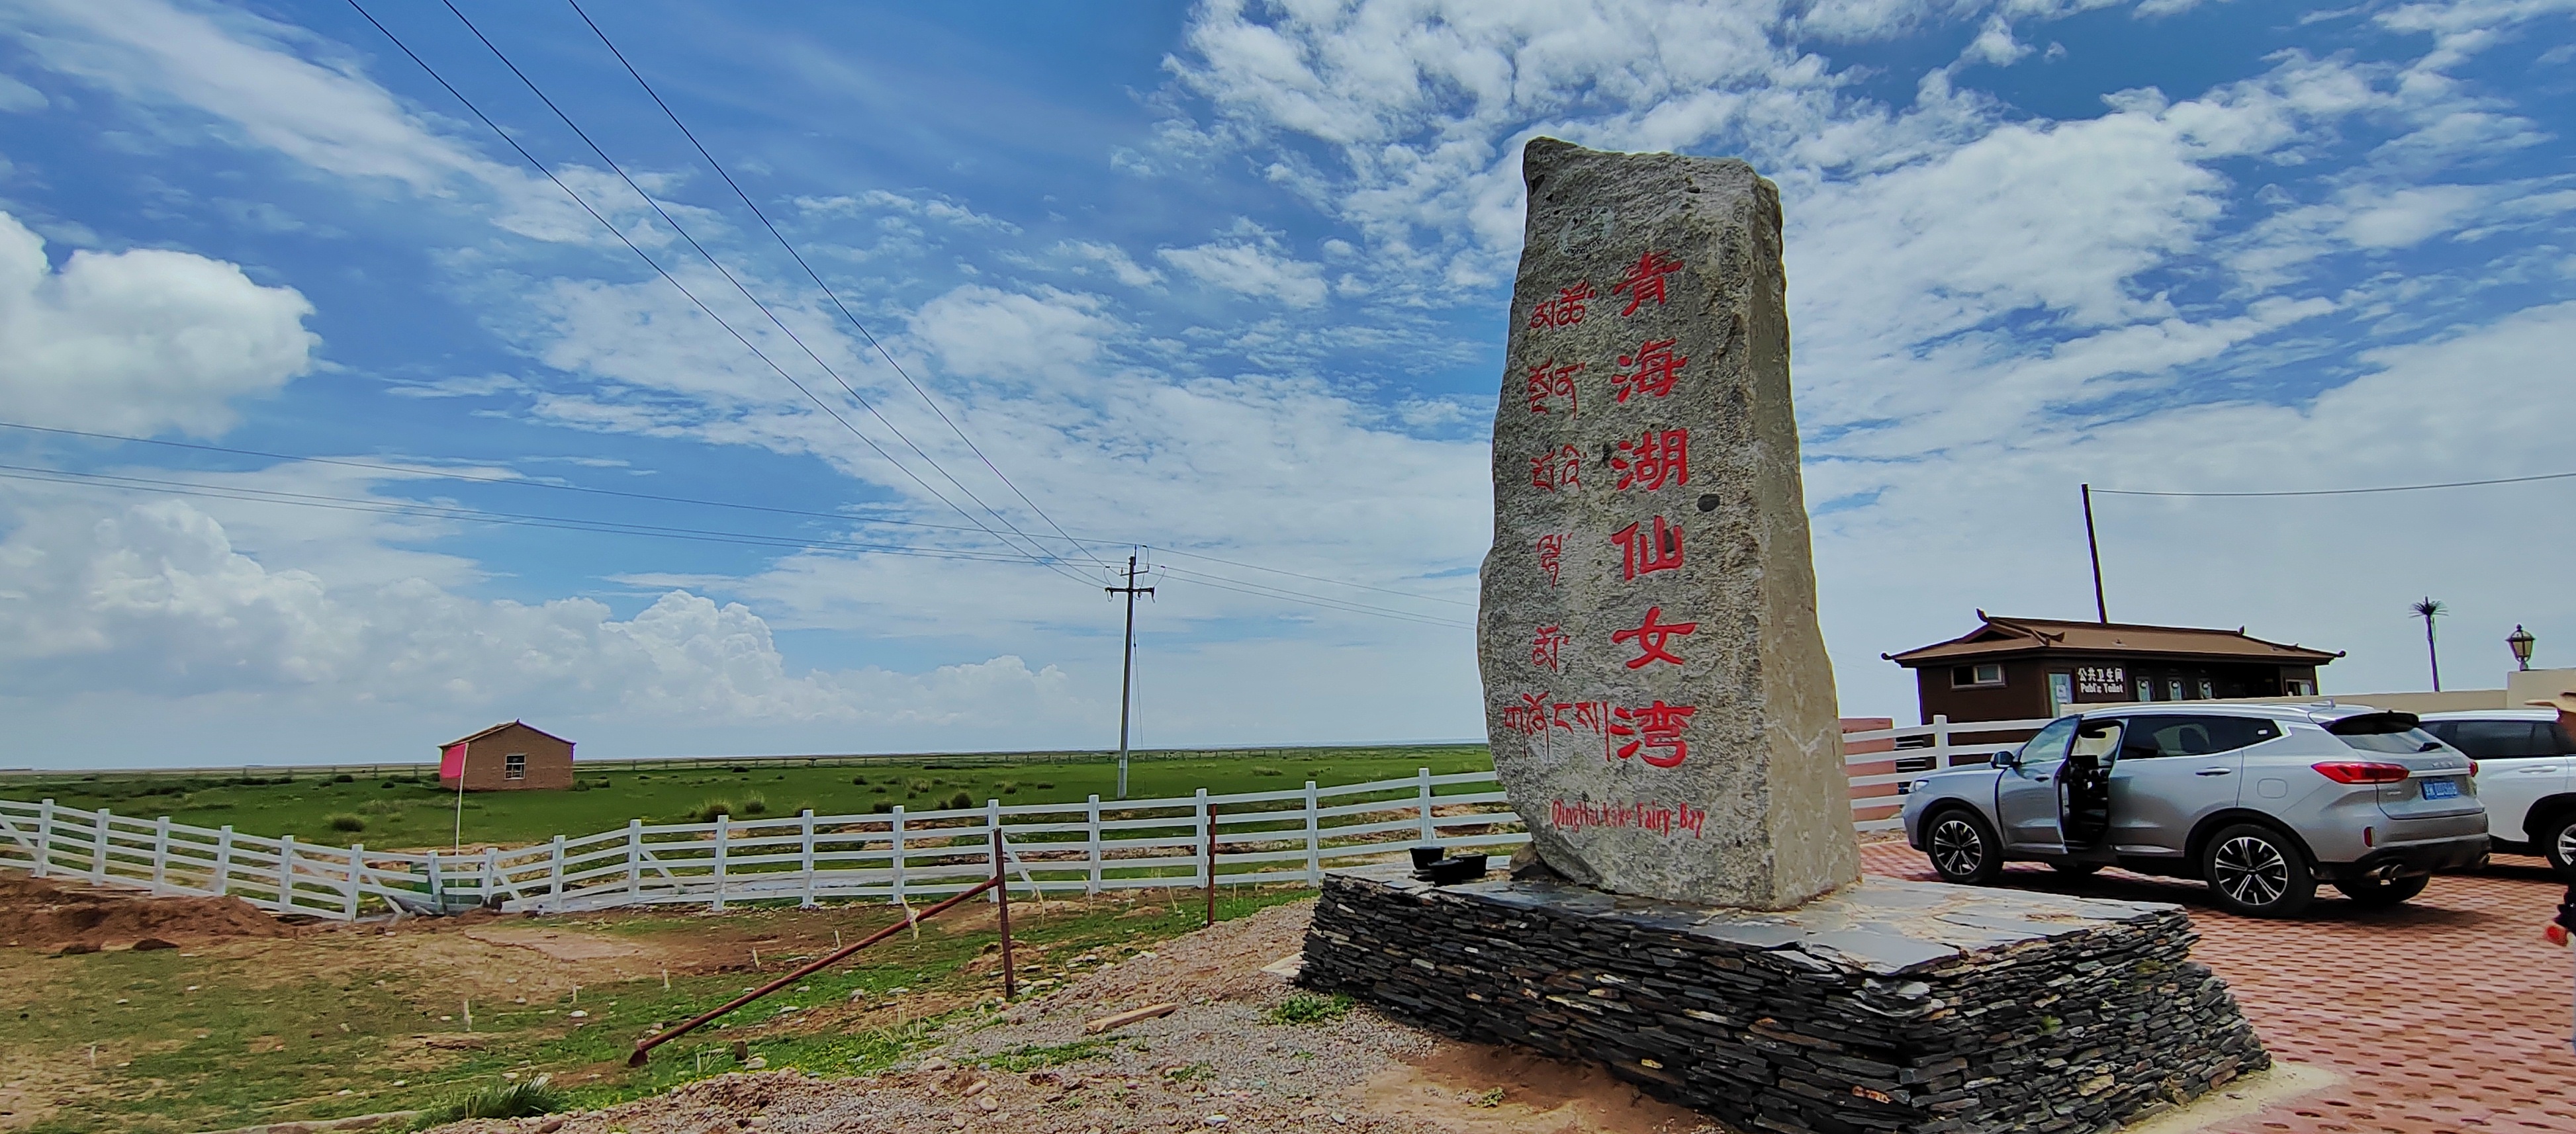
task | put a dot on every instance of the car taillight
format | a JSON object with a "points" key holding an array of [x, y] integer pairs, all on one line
{"points": [[2361, 772], [2473, 769]]}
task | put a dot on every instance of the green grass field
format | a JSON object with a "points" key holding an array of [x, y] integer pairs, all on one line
{"points": [[411, 812], [250, 1032]]}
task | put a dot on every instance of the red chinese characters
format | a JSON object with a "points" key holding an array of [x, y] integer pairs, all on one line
{"points": [[1548, 382], [1546, 646], [1559, 468], [1652, 460], [1657, 730], [1657, 368], [1551, 554], [1645, 278], [1650, 637], [1564, 309], [1643, 554]]}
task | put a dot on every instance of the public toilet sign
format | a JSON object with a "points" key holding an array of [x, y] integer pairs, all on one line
{"points": [[1657, 694]]}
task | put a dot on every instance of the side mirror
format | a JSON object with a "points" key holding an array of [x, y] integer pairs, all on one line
{"points": [[2008, 758]]}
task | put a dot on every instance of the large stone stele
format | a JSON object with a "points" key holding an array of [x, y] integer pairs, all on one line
{"points": [[1645, 418]]}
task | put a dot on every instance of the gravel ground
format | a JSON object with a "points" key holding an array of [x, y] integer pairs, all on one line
{"points": [[1215, 1062]]}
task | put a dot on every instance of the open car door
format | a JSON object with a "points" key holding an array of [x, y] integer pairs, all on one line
{"points": [[2084, 786]]}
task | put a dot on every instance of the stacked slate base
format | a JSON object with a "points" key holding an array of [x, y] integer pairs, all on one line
{"points": [[1887, 1006]]}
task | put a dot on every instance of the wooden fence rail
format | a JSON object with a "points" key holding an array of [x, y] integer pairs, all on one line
{"points": [[1286, 836]]}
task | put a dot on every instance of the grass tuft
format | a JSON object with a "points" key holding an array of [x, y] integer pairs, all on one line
{"points": [[507, 1100], [1309, 1008], [345, 821]]}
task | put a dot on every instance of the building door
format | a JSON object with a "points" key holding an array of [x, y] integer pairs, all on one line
{"points": [[2061, 692], [2026, 793]]}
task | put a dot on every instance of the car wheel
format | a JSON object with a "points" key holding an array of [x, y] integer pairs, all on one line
{"points": [[2075, 869], [1963, 849], [2557, 840], [2380, 894], [2258, 872]]}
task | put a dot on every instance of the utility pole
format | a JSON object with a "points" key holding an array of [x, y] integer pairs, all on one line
{"points": [[2101, 612], [1127, 667]]}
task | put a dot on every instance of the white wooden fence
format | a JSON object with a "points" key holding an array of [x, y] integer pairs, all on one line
{"points": [[1289, 836]]}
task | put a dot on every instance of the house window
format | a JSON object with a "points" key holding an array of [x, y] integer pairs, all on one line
{"points": [[2298, 687], [514, 766], [1970, 676]]}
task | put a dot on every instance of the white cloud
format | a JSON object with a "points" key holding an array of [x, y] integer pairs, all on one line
{"points": [[1112, 259], [1252, 262], [283, 89], [17, 97], [2409, 216], [983, 332], [155, 600], [139, 341]]}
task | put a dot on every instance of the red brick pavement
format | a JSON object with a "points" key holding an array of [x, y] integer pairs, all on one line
{"points": [[2448, 1015]]}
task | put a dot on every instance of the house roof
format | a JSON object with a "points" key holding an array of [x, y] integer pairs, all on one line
{"points": [[496, 728], [2005, 637]]}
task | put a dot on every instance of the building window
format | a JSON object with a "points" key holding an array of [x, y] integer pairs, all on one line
{"points": [[2207, 690], [514, 766], [1972, 676], [2173, 689], [2298, 687], [2061, 693], [2146, 690]]}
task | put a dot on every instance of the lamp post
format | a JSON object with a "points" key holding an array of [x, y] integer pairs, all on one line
{"points": [[2520, 640]]}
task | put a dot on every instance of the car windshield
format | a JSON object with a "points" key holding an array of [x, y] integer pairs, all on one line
{"points": [[2393, 733]]}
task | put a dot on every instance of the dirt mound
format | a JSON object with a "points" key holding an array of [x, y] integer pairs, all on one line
{"points": [[42, 914]]}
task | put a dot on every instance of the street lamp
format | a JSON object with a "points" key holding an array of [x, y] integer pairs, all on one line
{"points": [[2520, 640]]}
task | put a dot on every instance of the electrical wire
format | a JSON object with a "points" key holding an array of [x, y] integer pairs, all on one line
{"points": [[2346, 491], [420, 510], [1315, 578], [737, 283], [701, 305], [418, 470], [811, 274], [520, 482], [1265, 591]]}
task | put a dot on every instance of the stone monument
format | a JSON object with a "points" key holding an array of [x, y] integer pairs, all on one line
{"points": [[1662, 717], [1657, 694]]}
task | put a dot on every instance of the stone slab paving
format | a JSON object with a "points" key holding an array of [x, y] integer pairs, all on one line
{"points": [[2448, 1015]]}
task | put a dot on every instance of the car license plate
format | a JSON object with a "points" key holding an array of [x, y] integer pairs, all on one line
{"points": [[2442, 789]]}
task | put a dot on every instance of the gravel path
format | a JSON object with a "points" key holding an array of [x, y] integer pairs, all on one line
{"points": [[1215, 1062]]}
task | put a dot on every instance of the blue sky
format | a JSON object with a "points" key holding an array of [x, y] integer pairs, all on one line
{"points": [[1223, 279]]}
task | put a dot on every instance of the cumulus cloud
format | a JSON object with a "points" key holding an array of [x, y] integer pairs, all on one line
{"points": [[155, 599], [140, 341]]}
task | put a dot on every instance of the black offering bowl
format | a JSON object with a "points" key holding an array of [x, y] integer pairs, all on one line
{"points": [[1454, 869], [1424, 854]]}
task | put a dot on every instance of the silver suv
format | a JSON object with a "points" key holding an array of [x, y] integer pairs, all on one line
{"points": [[2260, 801]]}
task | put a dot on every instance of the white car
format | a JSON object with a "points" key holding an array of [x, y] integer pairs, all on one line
{"points": [[2526, 776]]}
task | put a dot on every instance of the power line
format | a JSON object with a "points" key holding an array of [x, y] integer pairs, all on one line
{"points": [[811, 274], [1301, 575], [452, 474], [472, 515], [730, 278], [1263, 590], [701, 305], [2348, 491], [519, 482]]}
